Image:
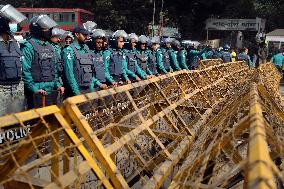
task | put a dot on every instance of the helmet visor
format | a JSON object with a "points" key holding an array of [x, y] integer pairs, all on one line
{"points": [[120, 33], [99, 33], [59, 33], [45, 22], [90, 26], [9, 12]]}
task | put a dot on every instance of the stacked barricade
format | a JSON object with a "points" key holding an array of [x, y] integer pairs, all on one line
{"points": [[209, 62], [195, 129]]}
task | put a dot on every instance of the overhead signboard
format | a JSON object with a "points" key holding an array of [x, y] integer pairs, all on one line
{"points": [[235, 24]]}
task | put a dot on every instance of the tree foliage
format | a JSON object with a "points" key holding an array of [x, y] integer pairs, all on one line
{"points": [[188, 16]]}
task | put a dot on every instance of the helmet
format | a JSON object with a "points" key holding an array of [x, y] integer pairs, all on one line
{"points": [[59, 32], [175, 44], [42, 21], [69, 34], [37, 23], [9, 12], [143, 39], [155, 40], [226, 47], [98, 33], [220, 49], [133, 36], [169, 40], [90, 26], [119, 33]]}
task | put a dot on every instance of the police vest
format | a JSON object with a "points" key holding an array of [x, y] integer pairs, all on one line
{"points": [[99, 70], [83, 67], [166, 59], [131, 61], [43, 68], [142, 61], [115, 63], [194, 59], [226, 56], [152, 62], [59, 61], [10, 64], [242, 57]]}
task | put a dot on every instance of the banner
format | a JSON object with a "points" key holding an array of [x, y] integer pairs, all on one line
{"points": [[235, 24]]}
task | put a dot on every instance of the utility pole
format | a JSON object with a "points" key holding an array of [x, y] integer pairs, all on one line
{"points": [[161, 20], [153, 20]]}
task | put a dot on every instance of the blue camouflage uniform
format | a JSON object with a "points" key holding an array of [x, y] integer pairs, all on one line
{"points": [[77, 76], [132, 64], [100, 70], [116, 62]]}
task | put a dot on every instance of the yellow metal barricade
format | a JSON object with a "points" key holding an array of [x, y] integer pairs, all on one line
{"points": [[217, 127]]}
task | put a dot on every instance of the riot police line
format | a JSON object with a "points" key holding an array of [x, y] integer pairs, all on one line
{"points": [[36, 71]]}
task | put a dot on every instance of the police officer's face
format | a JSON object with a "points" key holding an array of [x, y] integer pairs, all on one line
{"points": [[143, 46], [154, 46], [133, 43], [68, 40], [120, 42], [105, 43], [81, 37], [55, 39], [168, 45], [99, 44]]}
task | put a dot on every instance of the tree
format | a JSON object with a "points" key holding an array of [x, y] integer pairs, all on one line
{"points": [[188, 16]]}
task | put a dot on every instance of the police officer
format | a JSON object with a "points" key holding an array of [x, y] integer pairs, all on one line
{"points": [[78, 64], [40, 72], [180, 53], [68, 39], [218, 53], [57, 35], [194, 56], [226, 55], [243, 56], [169, 57], [278, 60], [116, 60], [155, 57], [142, 58], [11, 86], [209, 53], [100, 71], [131, 57], [90, 26]]}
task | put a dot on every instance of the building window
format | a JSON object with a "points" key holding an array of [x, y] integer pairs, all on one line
{"points": [[60, 17], [66, 17], [73, 17]]}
